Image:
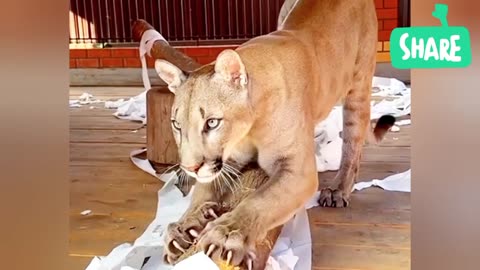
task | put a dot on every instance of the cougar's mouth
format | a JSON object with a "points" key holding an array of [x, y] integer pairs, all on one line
{"points": [[208, 171], [207, 179]]}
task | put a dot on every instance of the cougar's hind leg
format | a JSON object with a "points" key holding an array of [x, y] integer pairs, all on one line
{"points": [[356, 119]]}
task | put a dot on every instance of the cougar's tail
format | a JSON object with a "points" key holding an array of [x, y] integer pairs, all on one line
{"points": [[384, 123]]}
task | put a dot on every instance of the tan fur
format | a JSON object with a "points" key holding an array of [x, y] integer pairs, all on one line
{"points": [[251, 179], [270, 93]]}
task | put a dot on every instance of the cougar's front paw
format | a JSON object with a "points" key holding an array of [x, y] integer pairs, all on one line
{"points": [[230, 238], [333, 198], [182, 234]]}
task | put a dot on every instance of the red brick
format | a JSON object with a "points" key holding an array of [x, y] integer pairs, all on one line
{"points": [[379, 3], [390, 24], [215, 51], [384, 35], [197, 51], [180, 49], [380, 24], [87, 63], [205, 59], [111, 62], [390, 3], [150, 62], [132, 62], [78, 53], [98, 53], [73, 63], [125, 52], [387, 13]]}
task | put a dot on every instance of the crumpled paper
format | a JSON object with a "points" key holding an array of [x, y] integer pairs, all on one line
{"points": [[134, 109], [83, 99]]}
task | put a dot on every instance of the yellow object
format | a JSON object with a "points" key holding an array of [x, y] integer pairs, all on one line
{"points": [[224, 266]]}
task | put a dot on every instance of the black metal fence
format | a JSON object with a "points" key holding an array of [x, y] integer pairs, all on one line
{"points": [[179, 21]]}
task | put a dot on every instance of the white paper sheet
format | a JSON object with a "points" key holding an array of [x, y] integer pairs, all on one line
{"points": [[397, 182]]}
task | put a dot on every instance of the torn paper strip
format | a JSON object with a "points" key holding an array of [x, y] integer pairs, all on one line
{"points": [[397, 182]]}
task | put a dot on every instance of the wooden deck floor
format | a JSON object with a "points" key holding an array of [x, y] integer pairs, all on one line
{"points": [[373, 233]]}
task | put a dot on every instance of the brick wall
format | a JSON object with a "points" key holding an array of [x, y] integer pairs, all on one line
{"points": [[387, 13], [129, 57]]}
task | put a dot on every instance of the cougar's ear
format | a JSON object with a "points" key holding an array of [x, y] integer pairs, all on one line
{"points": [[170, 74], [230, 67]]}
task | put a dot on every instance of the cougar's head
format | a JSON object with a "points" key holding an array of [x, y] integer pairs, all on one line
{"points": [[211, 112]]}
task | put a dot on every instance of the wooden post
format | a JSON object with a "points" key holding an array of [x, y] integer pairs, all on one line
{"points": [[161, 146]]}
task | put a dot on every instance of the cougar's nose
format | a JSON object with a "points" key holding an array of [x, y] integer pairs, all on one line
{"points": [[193, 168]]}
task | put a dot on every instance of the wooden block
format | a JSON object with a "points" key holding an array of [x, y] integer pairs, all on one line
{"points": [[161, 146]]}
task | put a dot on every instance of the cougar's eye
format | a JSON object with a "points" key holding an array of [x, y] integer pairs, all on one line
{"points": [[212, 124], [175, 124]]}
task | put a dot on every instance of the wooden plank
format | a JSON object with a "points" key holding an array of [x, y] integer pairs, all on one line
{"points": [[108, 136], [112, 77], [361, 236], [388, 154], [101, 154], [98, 110], [371, 207], [106, 92], [123, 202], [78, 262], [347, 257], [99, 233], [102, 123]]}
